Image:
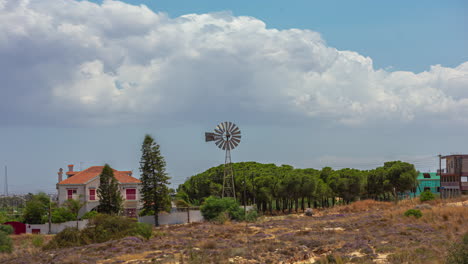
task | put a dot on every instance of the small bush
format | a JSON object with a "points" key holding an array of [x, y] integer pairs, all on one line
{"points": [[89, 215], [103, 228], [6, 246], [62, 214], [426, 196], [251, 216], [414, 212], [222, 218], [8, 229], [458, 253], [69, 237], [143, 229], [213, 207]]}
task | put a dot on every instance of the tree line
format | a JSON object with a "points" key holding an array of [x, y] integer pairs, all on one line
{"points": [[285, 188]]}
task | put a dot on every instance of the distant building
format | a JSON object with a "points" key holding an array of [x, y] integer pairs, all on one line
{"points": [[454, 178], [427, 181], [83, 185]]}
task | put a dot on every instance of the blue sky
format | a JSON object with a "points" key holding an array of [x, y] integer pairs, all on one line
{"points": [[311, 84]]}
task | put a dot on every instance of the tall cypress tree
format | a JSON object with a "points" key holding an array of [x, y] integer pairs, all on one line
{"points": [[110, 198], [154, 179]]}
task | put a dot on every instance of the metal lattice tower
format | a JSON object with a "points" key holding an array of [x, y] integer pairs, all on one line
{"points": [[226, 136]]}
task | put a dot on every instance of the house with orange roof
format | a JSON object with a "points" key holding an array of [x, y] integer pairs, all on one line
{"points": [[83, 185]]}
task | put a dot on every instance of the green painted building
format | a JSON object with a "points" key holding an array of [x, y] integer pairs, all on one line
{"points": [[427, 181]]}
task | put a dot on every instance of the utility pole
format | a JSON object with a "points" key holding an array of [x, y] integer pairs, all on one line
{"points": [[6, 180]]}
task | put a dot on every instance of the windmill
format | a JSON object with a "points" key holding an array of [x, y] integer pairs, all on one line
{"points": [[226, 136]]}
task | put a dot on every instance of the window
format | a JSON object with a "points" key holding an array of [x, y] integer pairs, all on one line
{"points": [[92, 194], [427, 188], [70, 193], [130, 194], [426, 175], [464, 179], [438, 189]]}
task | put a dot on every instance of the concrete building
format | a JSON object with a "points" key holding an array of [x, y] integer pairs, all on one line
{"points": [[454, 177], [83, 185]]}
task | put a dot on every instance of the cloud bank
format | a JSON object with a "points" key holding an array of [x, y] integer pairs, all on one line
{"points": [[83, 63]]}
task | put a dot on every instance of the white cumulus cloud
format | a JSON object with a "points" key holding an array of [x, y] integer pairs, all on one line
{"points": [[76, 61]]}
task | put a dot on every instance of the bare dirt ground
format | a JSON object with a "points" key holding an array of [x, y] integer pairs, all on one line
{"points": [[363, 232]]}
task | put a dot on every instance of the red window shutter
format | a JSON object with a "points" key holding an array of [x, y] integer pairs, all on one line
{"points": [[92, 194], [70, 194], [130, 194]]}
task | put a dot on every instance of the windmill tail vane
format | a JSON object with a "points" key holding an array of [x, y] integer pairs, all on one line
{"points": [[226, 136]]}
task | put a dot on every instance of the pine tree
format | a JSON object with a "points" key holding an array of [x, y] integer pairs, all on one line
{"points": [[155, 193], [110, 199]]}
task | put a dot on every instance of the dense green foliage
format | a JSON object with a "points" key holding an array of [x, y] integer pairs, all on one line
{"points": [[89, 215], [8, 229], [62, 214], [426, 196], [6, 245], [458, 253], [413, 212], [285, 188], [213, 207], [110, 198], [154, 179], [101, 228], [36, 209], [143, 229]]}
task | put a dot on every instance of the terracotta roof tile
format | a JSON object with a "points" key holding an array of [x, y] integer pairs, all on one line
{"points": [[84, 176]]}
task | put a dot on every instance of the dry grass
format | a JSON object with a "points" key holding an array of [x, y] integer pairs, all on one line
{"points": [[363, 232]]}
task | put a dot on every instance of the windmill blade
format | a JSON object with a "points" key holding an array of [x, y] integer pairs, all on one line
{"points": [[236, 140], [235, 129], [235, 144], [218, 131], [238, 137], [224, 145], [230, 126], [220, 127], [226, 126], [236, 132], [231, 145], [219, 141]]}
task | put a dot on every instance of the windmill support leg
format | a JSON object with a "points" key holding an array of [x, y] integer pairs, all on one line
{"points": [[228, 179]]}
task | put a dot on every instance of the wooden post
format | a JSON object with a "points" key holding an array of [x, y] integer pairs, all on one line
{"points": [[188, 215]]}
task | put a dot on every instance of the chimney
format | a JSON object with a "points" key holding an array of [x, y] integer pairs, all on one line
{"points": [[70, 168], [60, 173]]}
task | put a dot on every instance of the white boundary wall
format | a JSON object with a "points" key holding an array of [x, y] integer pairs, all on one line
{"points": [[173, 218], [55, 228]]}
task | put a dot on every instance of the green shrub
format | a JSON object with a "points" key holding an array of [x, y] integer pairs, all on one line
{"points": [[103, 228], [8, 229], [458, 253], [89, 215], [6, 246], [69, 237], [251, 216], [62, 214], [222, 218], [213, 207], [143, 229], [38, 240], [426, 196], [414, 212]]}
